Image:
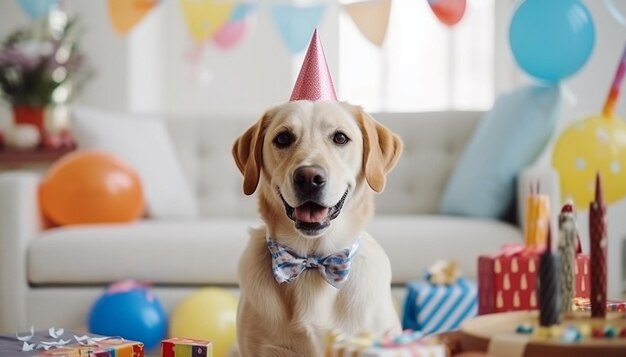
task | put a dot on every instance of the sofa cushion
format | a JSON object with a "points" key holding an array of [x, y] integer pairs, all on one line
{"points": [[157, 251], [509, 138], [143, 142], [207, 252]]}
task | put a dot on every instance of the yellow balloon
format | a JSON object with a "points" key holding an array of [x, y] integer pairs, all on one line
{"points": [[205, 17], [595, 144], [207, 314]]}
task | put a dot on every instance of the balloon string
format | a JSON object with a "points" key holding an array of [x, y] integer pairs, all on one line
{"points": [[611, 99]]}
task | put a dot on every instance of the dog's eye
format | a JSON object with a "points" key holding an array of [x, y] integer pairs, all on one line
{"points": [[340, 138], [283, 140]]}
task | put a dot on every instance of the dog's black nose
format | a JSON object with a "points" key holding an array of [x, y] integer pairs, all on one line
{"points": [[309, 180]]}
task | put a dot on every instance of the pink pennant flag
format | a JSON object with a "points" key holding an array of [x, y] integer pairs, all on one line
{"points": [[314, 81]]}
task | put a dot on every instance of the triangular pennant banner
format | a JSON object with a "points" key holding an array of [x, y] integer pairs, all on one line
{"points": [[371, 18], [205, 17], [296, 24], [125, 14]]}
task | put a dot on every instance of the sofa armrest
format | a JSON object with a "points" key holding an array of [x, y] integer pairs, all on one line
{"points": [[548, 180], [20, 221]]}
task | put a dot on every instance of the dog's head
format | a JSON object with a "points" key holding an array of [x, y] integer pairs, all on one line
{"points": [[311, 159]]}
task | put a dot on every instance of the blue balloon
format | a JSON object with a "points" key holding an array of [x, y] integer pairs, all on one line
{"points": [[134, 315], [551, 39]]}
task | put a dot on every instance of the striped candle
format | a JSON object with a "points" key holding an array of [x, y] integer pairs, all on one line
{"points": [[597, 251], [609, 104], [568, 238], [549, 289]]}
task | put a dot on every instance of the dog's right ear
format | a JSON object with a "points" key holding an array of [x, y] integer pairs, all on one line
{"points": [[248, 154]]}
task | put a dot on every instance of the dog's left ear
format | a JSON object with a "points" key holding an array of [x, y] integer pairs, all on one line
{"points": [[381, 150], [248, 154]]}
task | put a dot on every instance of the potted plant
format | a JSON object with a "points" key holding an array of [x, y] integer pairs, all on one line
{"points": [[41, 71]]}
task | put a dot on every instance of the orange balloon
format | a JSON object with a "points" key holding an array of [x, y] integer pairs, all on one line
{"points": [[91, 187]]}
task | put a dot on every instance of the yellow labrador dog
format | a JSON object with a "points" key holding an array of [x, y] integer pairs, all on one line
{"points": [[313, 269]]}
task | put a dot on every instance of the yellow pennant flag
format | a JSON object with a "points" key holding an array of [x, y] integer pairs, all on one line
{"points": [[371, 18], [125, 14], [205, 17]]}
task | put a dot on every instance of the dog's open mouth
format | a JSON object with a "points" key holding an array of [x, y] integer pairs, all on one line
{"points": [[310, 217]]}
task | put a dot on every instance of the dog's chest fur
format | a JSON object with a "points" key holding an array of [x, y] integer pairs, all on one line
{"points": [[309, 307]]}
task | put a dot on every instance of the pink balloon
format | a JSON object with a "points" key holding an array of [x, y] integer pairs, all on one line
{"points": [[230, 34]]}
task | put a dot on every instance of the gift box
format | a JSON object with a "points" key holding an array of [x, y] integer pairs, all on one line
{"points": [[507, 280], [186, 347], [584, 304], [432, 308], [68, 344]]}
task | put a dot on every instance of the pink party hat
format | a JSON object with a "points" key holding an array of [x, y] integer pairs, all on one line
{"points": [[314, 81]]}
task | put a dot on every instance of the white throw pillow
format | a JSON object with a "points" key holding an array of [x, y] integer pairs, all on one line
{"points": [[143, 141]]}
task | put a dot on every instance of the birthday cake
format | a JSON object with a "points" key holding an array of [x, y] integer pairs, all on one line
{"points": [[519, 333]]}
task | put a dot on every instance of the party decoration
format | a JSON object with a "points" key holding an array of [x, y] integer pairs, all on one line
{"points": [[296, 23], [230, 34], [371, 17], [537, 218], [314, 81], [37, 9], [130, 310], [207, 314], [551, 40], [205, 17], [592, 145], [125, 14], [242, 11], [549, 285], [91, 187], [449, 12], [569, 246], [597, 248]]}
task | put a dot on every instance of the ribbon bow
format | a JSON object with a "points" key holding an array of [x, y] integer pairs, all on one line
{"points": [[287, 265]]}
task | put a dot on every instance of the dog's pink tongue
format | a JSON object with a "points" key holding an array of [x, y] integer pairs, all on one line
{"points": [[310, 214]]}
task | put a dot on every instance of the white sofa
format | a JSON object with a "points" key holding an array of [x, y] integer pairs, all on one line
{"points": [[51, 277]]}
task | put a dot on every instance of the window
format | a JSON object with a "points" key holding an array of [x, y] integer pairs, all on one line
{"points": [[423, 64]]}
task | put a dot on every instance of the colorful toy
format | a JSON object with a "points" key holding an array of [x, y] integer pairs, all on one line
{"points": [[551, 40], [130, 310], [207, 314], [91, 187], [594, 144]]}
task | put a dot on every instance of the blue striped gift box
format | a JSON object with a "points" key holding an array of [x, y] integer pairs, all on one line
{"points": [[433, 308]]}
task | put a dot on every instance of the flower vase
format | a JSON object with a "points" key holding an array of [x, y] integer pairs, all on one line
{"points": [[30, 115]]}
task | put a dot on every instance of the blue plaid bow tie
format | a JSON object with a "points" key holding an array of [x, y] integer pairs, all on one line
{"points": [[287, 265]]}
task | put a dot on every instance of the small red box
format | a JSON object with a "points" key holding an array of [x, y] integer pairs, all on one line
{"points": [[507, 281]]}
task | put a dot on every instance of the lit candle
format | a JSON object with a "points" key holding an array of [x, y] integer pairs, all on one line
{"points": [[568, 239], [549, 286], [597, 250]]}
